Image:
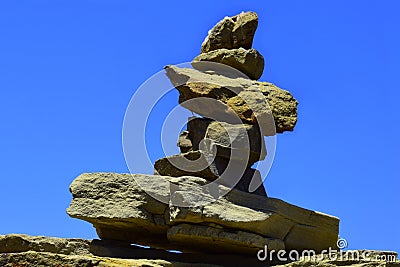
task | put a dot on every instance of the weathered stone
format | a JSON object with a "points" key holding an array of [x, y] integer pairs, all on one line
{"points": [[269, 217], [222, 240], [244, 29], [235, 100], [137, 218], [195, 163], [192, 163], [22, 243], [242, 142], [45, 259], [250, 62], [232, 32], [32, 251], [99, 197], [232, 141], [184, 142]]}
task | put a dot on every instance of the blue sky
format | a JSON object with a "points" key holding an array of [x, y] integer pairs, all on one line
{"points": [[69, 68]]}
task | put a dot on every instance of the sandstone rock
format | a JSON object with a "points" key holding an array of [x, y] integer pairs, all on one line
{"points": [[244, 29], [250, 62], [99, 197], [195, 163], [192, 163], [22, 243], [244, 140], [223, 240], [269, 217], [137, 218], [184, 142], [235, 100], [44, 259], [232, 32], [32, 251]]}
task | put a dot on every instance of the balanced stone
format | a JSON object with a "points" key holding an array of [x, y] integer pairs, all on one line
{"points": [[231, 173], [229, 100], [238, 142], [121, 210], [250, 61], [232, 32]]}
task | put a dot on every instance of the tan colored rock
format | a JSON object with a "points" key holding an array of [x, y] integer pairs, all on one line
{"points": [[222, 240], [194, 163], [250, 61], [137, 218], [184, 142], [22, 243], [232, 32], [236, 100], [270, 217], [44, 259], [39, 251], [100, 198], [230, 141]]}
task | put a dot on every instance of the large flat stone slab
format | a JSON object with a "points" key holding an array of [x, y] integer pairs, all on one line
{"points": [[120, 209]]}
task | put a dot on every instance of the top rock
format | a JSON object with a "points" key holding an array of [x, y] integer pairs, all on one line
{"points": [[232, 32]]}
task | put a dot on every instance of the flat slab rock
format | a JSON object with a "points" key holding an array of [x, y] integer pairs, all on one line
{"points": [[35, 251], [119, 209], [235, 99]]}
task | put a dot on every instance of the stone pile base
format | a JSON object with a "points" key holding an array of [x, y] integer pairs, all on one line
{"points": [[34, 251], [237, 223]]}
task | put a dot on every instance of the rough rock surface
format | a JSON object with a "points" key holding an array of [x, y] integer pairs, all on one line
{"points": [[32, 251], [192, 163], [120, 210], [235, 99], [250, 61], [232, 32], [186, 163], [244, 139]]}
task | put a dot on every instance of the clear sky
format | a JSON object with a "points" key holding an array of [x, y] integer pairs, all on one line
{"points": [[69, 68]]}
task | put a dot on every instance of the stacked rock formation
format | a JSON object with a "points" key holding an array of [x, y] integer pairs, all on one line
{"points": [[167, 211], [259, 108], [230, 133]]}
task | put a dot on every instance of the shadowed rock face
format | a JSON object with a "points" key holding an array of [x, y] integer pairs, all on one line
{"points": [[232, 32], [239, 222], [245, 139], [199, 166]]}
